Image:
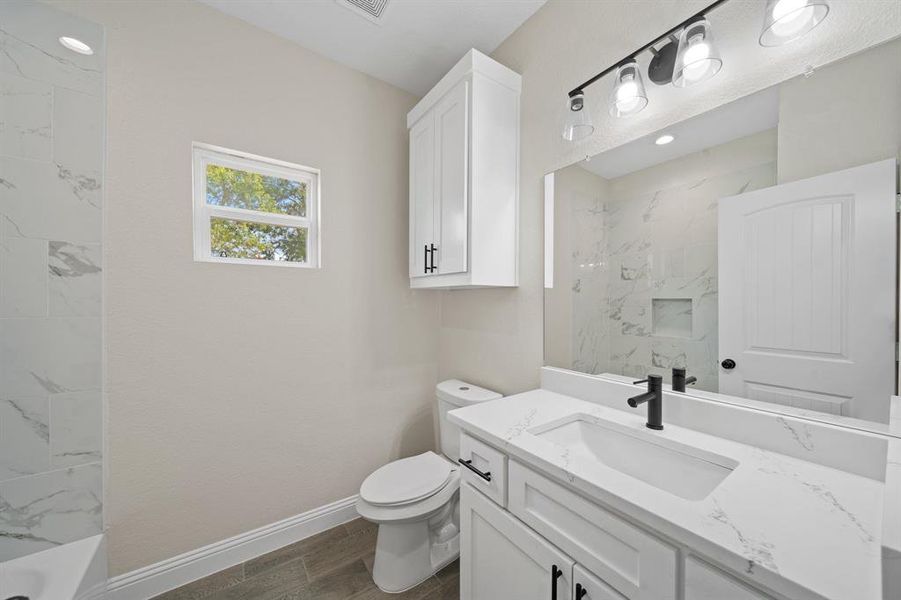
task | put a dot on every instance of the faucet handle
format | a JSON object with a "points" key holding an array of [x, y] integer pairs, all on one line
{"points": [[645, 380]]}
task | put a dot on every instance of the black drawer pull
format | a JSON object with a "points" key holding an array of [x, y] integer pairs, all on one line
{"points": [[468, 464], [432, 250], [580, 591], [555, 575]]}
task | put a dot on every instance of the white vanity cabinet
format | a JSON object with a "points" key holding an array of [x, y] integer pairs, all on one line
{"points": [[464, 170], [554, 544]]}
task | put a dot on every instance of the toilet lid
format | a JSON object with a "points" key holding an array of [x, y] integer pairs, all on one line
{"points": [[406, 480]]}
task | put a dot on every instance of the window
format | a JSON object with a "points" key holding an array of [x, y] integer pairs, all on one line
{"points": [[254, 210]]}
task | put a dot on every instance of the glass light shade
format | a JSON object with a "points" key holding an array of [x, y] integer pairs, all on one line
{"points": [[577, 124], [628, 96], [786, 20], [697, 58]]}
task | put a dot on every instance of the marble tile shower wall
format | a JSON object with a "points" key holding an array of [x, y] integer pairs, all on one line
{"points": [[51, 163], [645, 274]]}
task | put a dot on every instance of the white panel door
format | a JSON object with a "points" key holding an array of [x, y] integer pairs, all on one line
{"points": [[807, 292], [422, 195], [502, 558], [451, 133]]}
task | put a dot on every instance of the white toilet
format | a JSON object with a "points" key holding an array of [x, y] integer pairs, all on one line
{"points": [[415, 501]]}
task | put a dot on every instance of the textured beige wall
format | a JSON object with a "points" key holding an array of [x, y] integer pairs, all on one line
{"points": [[241, 395], [847, 114], [494, 337]]}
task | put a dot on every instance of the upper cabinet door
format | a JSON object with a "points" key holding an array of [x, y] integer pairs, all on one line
{"points": [[502, 558], [422, 197], [451, 133]]}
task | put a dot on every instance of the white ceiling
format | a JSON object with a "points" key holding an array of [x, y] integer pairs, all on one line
{"points": [[746, 116], [411, 47]]}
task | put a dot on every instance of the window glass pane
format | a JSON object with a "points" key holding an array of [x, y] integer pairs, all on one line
{"points": [[246, 189], [258, 241]]}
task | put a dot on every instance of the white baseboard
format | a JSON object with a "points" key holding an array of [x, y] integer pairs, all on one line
{"points": [[152, 580]]}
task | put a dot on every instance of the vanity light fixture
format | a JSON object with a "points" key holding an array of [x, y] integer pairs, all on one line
{"points": [[688, 55], [577, 124], [76, 45], [664, 139], [629, 96], [786, 20]]}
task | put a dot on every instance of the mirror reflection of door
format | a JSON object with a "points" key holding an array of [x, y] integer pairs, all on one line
{"points": [[807, 292]]}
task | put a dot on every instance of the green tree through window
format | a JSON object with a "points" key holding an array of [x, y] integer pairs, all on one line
{"points": [[253, 191]]}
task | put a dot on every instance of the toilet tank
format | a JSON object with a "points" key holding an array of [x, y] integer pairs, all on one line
{"points": [[452, 394]]}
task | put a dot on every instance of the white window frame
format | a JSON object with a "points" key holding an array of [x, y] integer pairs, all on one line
{"points": [[206, 154]]}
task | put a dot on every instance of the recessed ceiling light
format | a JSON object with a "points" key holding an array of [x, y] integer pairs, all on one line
{"points": [[76, 45], [664, 139]]}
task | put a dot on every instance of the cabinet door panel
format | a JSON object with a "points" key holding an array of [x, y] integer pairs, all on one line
{"points": [[501, 558], [704, 582], [638, 565], [452, 177], [595, 588], [422, 193]]}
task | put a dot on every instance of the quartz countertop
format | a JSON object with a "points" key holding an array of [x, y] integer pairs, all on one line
{"points": [[798, 528]]}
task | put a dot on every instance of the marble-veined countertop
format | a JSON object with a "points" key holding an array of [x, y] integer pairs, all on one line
{"points": [[801, 529]]}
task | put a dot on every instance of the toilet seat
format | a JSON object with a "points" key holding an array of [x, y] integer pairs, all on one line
{"points": [[407, 480]]}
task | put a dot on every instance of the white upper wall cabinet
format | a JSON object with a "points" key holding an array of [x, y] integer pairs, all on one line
{"points": [[464, 178]]}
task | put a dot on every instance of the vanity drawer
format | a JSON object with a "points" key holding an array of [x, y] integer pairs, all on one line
{"points": [[491, 465], [634, 563]]}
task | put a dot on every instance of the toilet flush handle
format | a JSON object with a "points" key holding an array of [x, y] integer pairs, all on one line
{"points": [[468, 464]]}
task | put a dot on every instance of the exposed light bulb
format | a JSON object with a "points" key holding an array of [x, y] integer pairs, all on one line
{"points": [[628, 96], [791, 16], [696, 63]]}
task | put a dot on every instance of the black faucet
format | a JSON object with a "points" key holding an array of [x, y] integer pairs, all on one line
{"points": [[654, 398], [680, 381]]}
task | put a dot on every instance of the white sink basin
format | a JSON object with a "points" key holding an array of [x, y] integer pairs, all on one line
{"points": [[673, 467]]}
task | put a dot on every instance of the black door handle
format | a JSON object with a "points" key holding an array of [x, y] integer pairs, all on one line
{"points": [[728, 364], [468, 464], [555, 575], [425, 260], [433, 250], [580, 591]]}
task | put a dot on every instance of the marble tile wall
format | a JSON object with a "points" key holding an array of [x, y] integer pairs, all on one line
{"points": [[51, 165], [645, 265]]}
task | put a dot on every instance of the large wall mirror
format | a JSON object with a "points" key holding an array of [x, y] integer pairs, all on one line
{"points": [[754, 246]]}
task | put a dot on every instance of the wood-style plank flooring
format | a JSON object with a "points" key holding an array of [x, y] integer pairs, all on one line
{"points": [[333, 565]]}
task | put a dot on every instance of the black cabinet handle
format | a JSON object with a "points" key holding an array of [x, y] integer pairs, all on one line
{"points": [[468, 464], [728, 364], [425, 260], [580, 591], [555, 575], [432, 266]]}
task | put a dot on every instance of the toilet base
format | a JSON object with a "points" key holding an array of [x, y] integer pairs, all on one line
{"points": [[407, 554]]}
